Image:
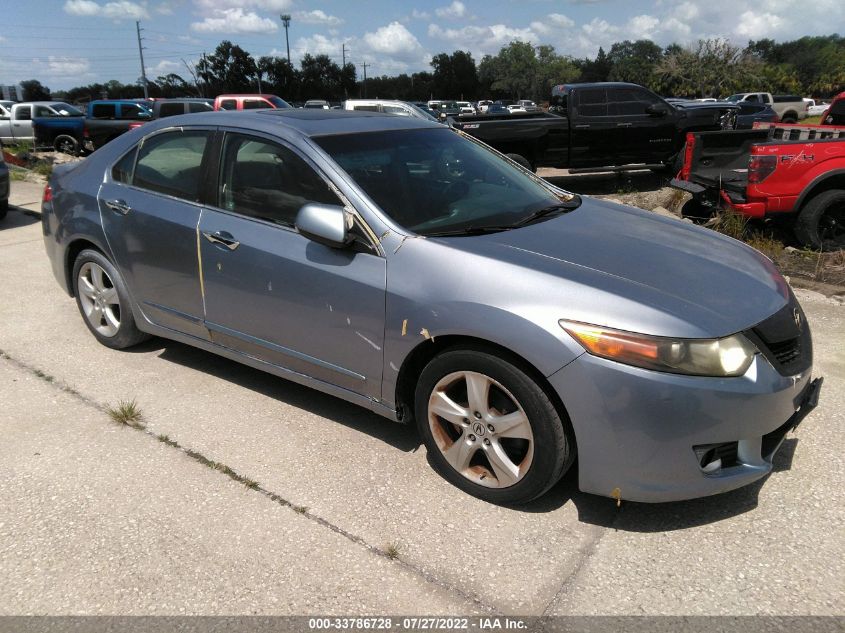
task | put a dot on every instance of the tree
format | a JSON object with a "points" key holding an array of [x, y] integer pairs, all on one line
{"points": [[595, 70], [455, 75], [282, 77], [229, 69], [710, 68], [634, 62], [172, 85], [513, 71], [34, 91], [552, 70]]}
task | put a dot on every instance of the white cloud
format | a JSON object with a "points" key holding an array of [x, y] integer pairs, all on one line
{"points": [[420, 15], [317, 17], [560, 21], [455, 10], [235, 21], [120, 10], [165, 67], [754, 25], [64, 66], [393, 39], [317, 44], [263, 5]]}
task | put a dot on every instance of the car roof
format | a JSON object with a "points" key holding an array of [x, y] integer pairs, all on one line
{"points": [[311, 123]]}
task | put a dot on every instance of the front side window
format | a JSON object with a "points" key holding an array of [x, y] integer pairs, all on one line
{"points": [[23, 113], [134, 112], [265, 180], [433, 181], [171, 163], [170, 109], [630, 101], [255, 104]]}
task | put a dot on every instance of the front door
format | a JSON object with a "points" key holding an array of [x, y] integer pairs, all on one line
{"points": [[639, 136], [150, 211], [274, 294]]}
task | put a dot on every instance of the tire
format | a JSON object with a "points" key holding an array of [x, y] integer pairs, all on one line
{"points": [[4, 208], [103, 301], [471, 448], [66, 144], [789, 119], [697, 212], [521, 160], [820, 224]]}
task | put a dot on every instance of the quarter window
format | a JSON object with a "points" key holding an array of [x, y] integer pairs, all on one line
{"points": [[171, 163], [265, 180], [122, 170]]}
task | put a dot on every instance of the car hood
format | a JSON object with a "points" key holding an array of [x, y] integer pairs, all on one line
{"points": [[621, 267]]}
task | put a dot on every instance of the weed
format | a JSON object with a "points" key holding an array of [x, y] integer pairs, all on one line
{"points": [[729, 223], [300, 509], [126, 412], [44, 376], [392, 551], [249, 483], [769, 246], [166, 439], [43, 168], [17, 175]]}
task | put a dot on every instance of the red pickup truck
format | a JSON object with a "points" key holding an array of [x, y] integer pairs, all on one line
{"points": [[774, 170]]}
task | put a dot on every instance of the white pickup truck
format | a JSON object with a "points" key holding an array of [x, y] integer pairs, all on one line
{"points": [[16, 118], [789, 108]]}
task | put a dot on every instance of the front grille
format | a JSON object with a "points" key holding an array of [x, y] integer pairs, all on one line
{"points": [[709, 453], [784, 340]]}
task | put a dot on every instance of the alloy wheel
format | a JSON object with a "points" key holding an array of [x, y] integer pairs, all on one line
{"points": [[481, 429], [99, 299]]}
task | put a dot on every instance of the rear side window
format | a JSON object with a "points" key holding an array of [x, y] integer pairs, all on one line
{"points": [[255, 104], [592, 102], [171, 109], [266, 180], [103, 110], [122, 170], [133, 111], [171, 163], [366, 108], [228, 104], [199, 107], [391, 109]]}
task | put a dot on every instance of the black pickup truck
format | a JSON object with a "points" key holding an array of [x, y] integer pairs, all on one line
{"points": [[594, 125]]}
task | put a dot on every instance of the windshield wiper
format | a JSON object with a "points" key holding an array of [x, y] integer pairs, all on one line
{"points": [[559, 207], [472, 230]]}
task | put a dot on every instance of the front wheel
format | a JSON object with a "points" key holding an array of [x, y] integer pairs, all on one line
{"points": [[104, 302], [821, 223], [489, 428]]}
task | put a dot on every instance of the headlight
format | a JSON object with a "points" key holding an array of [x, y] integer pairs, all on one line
{"points": [[729, 356]]}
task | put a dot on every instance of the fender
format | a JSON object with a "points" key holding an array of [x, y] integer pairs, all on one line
{"points": [[816, 177]]}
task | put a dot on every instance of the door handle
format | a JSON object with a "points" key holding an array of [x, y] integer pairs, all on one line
{"points": [[119, 206], [624, 124], [582, 126], [222, 238]]}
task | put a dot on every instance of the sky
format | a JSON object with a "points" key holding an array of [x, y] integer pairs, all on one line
{"points": [[67, 43]]}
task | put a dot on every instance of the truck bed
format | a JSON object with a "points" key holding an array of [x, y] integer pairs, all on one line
{"points": [[720, 159]]}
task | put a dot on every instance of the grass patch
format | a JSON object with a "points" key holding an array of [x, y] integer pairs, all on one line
{"points": [[729, 223], [43, 168], [126, 413], [166, 440], [392, 551], [250, 483], [17, 175], [769, 246], [812, 120], [300, 509]]}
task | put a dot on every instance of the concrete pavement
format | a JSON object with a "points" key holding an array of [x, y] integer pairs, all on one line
{"points": [[107, 519]]}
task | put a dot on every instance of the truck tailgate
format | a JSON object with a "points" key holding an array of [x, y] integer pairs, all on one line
{"points": [[720, 159]]}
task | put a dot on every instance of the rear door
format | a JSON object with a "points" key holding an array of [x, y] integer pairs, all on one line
{"points": [[272, 293], [592, 130], [149, 205]]}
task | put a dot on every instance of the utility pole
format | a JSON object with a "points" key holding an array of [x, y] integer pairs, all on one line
{"points": [[286, 21], [141, 53], [365, 64], [344, 55]]}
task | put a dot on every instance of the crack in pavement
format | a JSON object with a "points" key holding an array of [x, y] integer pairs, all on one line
{"points": [[300, 510]]}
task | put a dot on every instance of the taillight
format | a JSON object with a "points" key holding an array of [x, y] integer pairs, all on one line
{"points": [[688, 151], [48, 194], [761, 167], [85, 133], [132, 126]]}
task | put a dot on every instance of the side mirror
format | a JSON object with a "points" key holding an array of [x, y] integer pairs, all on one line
{"points": [[324, 223], [656, 109]]}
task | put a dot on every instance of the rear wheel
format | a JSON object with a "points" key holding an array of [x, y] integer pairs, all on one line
{"points": [[66, 145], [104, 302], [696, 211], [489, 428], [821, 223], [4, 208]]}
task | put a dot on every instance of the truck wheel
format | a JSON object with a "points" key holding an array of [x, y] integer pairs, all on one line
{"points": [[66, 145], [789, 118], [821, 223], [4, 208], [518, 158], [696, 211]]}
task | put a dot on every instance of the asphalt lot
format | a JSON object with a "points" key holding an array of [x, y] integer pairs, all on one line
{"points": [[98, 518]]}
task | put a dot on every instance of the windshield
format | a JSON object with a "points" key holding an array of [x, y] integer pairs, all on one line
{"points": [[66, 110], [424, 114], [434, 180], [278, 103]]}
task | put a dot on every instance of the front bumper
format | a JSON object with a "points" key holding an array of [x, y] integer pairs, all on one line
{"points": [[647, 436]]}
